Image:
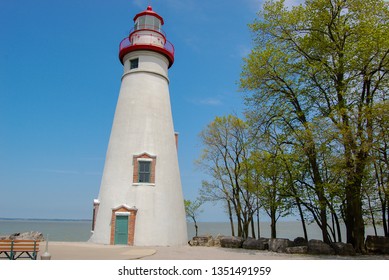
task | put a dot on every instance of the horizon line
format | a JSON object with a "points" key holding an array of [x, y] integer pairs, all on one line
{"points": [[42, 219]]}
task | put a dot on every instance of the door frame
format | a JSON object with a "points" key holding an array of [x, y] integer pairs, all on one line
{"points": [[125, 229], [124, 210]]}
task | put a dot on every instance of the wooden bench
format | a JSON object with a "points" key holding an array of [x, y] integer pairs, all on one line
{"points": [[19, 249]]}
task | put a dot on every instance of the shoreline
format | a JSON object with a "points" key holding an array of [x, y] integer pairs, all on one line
{"points": [[80, 230]]}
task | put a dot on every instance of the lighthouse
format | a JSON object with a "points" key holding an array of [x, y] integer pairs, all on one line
{"points": [[140, 200]]}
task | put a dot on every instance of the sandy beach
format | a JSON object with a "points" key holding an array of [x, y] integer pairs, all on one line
{"points": [[90, 251]]}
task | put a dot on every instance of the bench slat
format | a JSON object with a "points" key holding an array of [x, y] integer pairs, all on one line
{"points": [[25, 249], [24, 244]]}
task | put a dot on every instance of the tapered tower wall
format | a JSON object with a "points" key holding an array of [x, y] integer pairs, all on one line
{"points": [[142, 130]]}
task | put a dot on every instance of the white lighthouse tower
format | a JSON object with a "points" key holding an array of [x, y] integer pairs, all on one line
{"points": [[140, 200]]}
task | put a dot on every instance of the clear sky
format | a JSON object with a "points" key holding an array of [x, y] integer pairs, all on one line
{"points": [[59, 84]]}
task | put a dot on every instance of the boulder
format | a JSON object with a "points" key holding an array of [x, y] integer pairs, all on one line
{"points": [[204, 240], [318, 247], [300, 241], [377, 244], [256, 244], [279, 245], [343, 249], [231, 242], [216, 240], [30, 235], [13, 236], [297, 250], [265, 242]]}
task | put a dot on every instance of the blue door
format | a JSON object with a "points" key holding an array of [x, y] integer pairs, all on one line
{"points": [[121, 230]]}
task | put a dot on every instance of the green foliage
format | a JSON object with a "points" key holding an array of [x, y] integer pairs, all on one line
{"points": [[192, 210], [226, 147], [315, 139], [316, 83]]}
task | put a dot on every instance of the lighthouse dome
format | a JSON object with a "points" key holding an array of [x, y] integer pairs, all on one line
{"points": [[150, 14]]}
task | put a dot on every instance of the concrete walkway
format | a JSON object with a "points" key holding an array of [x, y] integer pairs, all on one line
{"points": [[91, 251]]}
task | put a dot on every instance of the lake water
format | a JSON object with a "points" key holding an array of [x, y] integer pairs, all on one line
{"points": [[57, 230], [81, 230]]}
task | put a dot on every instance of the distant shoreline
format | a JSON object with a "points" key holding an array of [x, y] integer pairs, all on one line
{"points": [[79, 230], [90, 220], [41, 219]]}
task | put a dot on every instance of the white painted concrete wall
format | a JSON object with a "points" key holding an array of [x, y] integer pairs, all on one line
{"points": [[143, 123]]}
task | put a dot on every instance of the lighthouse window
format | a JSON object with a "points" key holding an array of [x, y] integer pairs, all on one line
{"points": [[140, 23], [148, 22], [134, 63], [144, 171], [153, 23]]}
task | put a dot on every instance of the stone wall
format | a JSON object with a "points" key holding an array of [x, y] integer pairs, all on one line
{"points": [[279, 245]]}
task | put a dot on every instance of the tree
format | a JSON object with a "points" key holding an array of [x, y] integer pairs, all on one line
{"points": [[218, 191], [270, 188], [323, 66], [192, 210], [224, 157]]}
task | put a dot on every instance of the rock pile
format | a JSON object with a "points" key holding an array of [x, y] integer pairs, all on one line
{"points": [[279, 245], [30, 235], [206, 240]]}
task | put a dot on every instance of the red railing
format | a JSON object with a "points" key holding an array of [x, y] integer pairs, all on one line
{"points": [[148, 41], [148, 27]]}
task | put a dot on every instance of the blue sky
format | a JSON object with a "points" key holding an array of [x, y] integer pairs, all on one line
{"points": [[59, 83]]}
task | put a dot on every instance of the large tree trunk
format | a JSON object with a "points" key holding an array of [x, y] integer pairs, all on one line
{"points": [[320, 193], [196, 227], [301, 213], [371, 212], [230, 217], [273, 224], [354, 220]]}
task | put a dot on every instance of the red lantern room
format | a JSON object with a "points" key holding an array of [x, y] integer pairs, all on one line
{"points": [[147, 34]]}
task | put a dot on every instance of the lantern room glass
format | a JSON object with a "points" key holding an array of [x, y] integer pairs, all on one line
{"points": [[148, 22]]}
